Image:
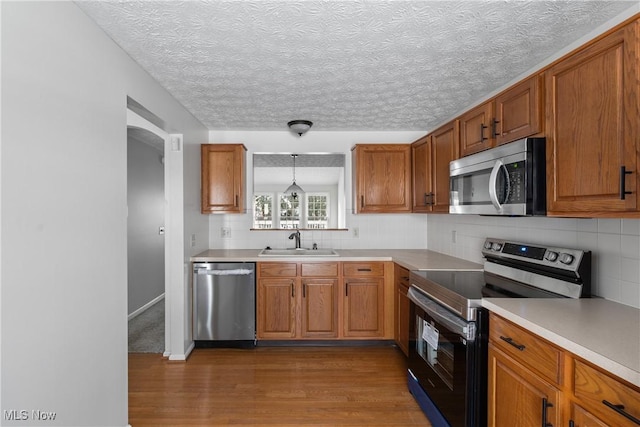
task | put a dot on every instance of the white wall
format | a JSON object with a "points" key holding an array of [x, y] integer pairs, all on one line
{"points": [[615, 245], [64, 221], [145, 202], [375, 230]]}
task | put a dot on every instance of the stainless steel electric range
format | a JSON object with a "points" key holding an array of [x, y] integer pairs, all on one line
{"points": [[449, 328]]}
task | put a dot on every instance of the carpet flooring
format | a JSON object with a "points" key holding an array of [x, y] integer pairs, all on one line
{"points": [[146, 331]]}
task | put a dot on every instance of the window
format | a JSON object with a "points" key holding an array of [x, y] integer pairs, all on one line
{"points": [[289, 212], [263, 211], [310, 210], [317, 209]]}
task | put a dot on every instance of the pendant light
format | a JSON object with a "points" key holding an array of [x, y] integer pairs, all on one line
{"points": [[294, 189]]}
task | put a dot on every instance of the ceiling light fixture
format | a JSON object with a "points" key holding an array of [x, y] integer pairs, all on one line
{"points": [[300, 126], [294, 189]]}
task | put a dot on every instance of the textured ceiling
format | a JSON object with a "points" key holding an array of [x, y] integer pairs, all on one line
{"points": [[345, 65]]}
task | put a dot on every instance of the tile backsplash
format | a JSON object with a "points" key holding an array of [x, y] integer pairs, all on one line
{"points": [[373, 231], [615, 245]]}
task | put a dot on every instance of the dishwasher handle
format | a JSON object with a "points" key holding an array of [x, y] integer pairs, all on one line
{"points": [[235, 272]]}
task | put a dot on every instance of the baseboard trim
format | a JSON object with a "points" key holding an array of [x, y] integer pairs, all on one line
{"points": [[182, 357], [145, 307]]}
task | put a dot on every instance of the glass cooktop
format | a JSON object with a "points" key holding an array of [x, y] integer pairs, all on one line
{"points": [[467, 284]]}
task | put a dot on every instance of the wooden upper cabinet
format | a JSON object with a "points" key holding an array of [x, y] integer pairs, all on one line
{"points": [[518, 111], [475, 129], [382, 178], [223, 178], [421, 167], [592, 128], [445, 143], [431, 156]]}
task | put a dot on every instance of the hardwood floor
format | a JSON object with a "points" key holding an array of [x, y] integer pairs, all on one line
{"points": [[286, 386]]}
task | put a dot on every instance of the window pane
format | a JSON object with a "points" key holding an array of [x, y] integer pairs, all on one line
{"points": [[263, 211], [289, 212], [317, 211]]}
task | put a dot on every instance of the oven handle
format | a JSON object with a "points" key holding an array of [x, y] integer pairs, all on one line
{"points": [[443, 316]]}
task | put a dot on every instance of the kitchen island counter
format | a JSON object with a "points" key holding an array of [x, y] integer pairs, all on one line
{"points": [[411, 259], [600, 331]]}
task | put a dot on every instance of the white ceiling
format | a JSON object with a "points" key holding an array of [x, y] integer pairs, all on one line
{"points": [[345, 65]]}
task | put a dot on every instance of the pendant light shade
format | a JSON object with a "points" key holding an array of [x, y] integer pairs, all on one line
{"points": [[300, 126], [294, 189]]}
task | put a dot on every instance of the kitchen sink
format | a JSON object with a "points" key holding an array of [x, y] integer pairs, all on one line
{"points": [[297, 252]]}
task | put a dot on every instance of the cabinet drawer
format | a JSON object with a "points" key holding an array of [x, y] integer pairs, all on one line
{"points": [[363, 269], [311, 269], [527, 348], [594, 388], [277, 269]]}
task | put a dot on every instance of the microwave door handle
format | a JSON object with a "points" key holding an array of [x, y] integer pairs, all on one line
{"points": [[493, 182]]}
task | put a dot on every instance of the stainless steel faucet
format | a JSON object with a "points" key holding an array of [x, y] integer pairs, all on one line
{"points": [[296, 236]]}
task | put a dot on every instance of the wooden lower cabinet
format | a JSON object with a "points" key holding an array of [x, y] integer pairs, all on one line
{"points": [[517, 395], [323, 300], [276, 308], [363, 308], [402, 302], [319, 308], [524, 369], [583, 418]]}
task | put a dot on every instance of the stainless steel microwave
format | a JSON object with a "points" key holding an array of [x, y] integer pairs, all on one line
{"points": [[507, 180]]}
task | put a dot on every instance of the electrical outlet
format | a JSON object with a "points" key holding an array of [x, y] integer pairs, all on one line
{"points": [[225, 232], [356, 232]]}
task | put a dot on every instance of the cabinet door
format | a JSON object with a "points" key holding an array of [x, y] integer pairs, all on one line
{"points": [[445, 143], [518, 111], [517, 396], [422, 186], [276, 308], [592, 128], [363, 307], [319, 308], [382, 178], [222, 174], [475, 130], [583, 418], [401, 277]]}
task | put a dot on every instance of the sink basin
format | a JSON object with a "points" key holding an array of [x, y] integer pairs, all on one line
{"points": [[298, 252]]}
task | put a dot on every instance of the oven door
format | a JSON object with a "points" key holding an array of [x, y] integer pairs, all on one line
{"points": [[442, 358]]}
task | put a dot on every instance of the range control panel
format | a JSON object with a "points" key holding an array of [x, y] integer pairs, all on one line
{"points": [[556, 257]]}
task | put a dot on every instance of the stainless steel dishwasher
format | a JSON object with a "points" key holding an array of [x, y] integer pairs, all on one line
{"points": [[224, 304]]}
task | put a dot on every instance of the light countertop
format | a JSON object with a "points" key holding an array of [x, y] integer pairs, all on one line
{"points": [[600, 331], [411, 259]]}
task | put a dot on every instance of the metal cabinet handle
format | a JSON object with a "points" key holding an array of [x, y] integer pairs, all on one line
{"points": [[494, 128], [346, 289], [620, 410], [304, 290], [364, 269], [623, 177], [482, 128], [236, 201], [293, 290], [572, 424], [509, 340], [545, 406], [362, 201]]}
